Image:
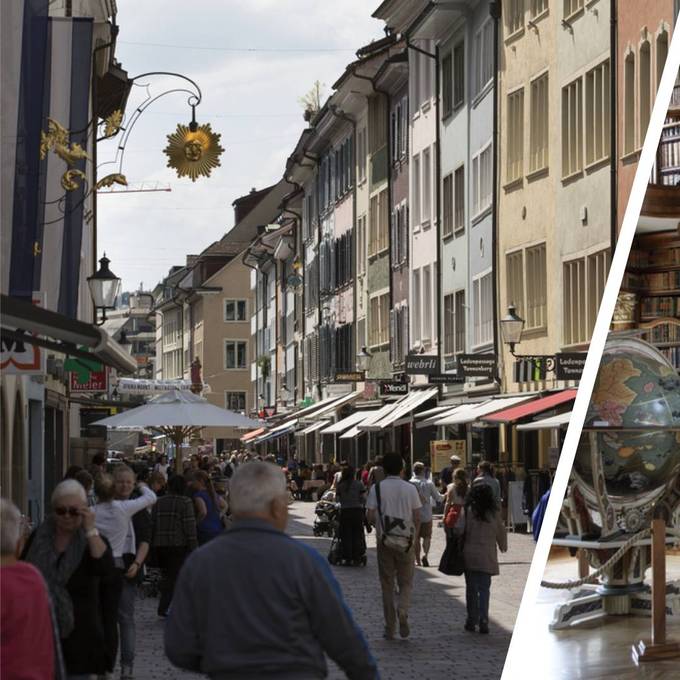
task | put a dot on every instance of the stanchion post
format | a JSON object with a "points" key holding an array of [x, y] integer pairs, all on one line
{"points": [[659, 648]]}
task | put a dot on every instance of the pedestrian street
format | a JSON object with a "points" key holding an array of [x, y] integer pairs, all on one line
{"points": [[438, 647]]}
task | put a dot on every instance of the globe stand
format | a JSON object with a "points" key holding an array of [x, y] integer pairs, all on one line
{"points": [[621, 590]]}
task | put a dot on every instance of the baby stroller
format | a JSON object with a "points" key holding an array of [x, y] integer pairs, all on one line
{"points": [[335, 551], [327, 514]]}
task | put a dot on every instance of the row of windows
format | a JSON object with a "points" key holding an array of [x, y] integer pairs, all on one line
{"points": [[639, 84], [336, 350], [336, 262], [585, 118], [515, 10]]}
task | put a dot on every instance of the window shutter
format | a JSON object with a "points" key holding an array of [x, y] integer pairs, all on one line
{"points": [[405, 338], [393, 347], [405, 127]]}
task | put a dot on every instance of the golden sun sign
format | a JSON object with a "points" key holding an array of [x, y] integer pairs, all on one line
{"points": [[193, 154]]}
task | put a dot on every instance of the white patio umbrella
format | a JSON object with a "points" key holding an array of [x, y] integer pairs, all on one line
{"points": [[179, 414]]}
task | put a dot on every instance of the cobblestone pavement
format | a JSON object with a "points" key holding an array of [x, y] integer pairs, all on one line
{"points": [[438, 647]]}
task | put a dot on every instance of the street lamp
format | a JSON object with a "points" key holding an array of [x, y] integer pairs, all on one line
{"points": [[511, 328], [364, 359], [104, 287]]}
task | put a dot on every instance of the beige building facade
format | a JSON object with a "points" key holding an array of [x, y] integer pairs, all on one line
{"points": [[222, 341]]}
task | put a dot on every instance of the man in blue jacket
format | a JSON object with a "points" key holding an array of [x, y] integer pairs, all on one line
{"points": [[256, 603]]}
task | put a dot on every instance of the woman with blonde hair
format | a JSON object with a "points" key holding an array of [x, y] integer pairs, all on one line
{"points": [[113, 519]]}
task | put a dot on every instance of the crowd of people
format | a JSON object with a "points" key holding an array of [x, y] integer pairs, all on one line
{"points": [[73, 580]]}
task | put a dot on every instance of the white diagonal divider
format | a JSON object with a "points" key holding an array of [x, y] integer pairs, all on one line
{"points": [[521, 643]]}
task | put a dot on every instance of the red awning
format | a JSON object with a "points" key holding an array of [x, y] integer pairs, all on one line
{"points": [[252, 434], [530, 408]]}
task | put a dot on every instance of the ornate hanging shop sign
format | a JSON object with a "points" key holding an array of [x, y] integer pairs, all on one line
{"points": [[193, 153]]}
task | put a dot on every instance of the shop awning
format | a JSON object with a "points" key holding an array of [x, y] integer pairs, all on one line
{"points": [[336, 403], [312, 428], [553, 422], [400, 409], [28, 323], [372, 417], [278, 431], [251, 435], [344, 424], [430, 418], [514, 413], [468, 413]]}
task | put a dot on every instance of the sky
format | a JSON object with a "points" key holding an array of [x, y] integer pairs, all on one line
{"points": [[253, 60]]}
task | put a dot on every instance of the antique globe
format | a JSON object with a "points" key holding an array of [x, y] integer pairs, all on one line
{"points": [[634, 421]]}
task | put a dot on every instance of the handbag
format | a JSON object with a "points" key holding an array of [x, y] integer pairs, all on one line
{"points": [[453, 515], [452, 562], [396, 533]]}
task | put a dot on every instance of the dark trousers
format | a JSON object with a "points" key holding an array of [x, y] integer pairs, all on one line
{"points": [[352, 533], [170, 561], [477, 587], [110, 598]]}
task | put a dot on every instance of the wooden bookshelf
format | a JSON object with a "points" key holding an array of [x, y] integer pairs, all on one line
{"points": [[653, 276]]}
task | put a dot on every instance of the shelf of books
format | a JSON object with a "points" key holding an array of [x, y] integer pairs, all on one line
{"points": [[653, 276]]}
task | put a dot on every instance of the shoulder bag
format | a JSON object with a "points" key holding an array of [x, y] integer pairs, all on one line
{"points": [[396, 533]]}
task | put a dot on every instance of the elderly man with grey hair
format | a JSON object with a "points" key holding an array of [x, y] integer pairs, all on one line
{"points": [[28, 637], [256, 603]]}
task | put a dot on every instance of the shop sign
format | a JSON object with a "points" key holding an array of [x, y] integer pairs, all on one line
{"points": [[445, 379], [477, 365], [389, 388], [370, 390], [350, 376], [93, 381], [569, 365], [441, 452], [532, 369], [141, 386], [422, 364], [19, 356]]}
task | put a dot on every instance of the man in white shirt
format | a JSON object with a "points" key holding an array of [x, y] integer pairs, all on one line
{"points": [[428, 493], [398, 500]]}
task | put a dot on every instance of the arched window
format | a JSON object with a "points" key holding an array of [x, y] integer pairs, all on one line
{"points": [[629, 103], [645, 79], [661, 54]]}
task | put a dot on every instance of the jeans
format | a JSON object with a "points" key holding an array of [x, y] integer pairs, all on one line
{"points": [[126, 622], [352, 533], [477, 587], [170, 560]]}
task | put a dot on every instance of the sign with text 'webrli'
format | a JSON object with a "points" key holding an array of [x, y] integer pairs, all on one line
{"points": [[422, 364]]}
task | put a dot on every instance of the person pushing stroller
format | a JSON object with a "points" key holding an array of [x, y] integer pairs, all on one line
{"points": [[350, 493]]}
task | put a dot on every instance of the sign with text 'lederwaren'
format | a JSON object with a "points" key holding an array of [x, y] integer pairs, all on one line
{"points": [[477, 365], [421, 364]]}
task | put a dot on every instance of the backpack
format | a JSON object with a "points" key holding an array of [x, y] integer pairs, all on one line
{"points": [[396, 533]]}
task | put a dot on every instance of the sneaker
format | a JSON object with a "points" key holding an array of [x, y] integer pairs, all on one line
{"points": [[469, 626], [484, 628], [404, 630], [425, 562], [388, 633], [126, 673]]}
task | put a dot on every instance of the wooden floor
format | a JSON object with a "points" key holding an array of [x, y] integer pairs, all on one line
{"points": [[594, 650]]}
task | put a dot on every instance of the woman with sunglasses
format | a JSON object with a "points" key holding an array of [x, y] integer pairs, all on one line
{"points": [[77, 564]]}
